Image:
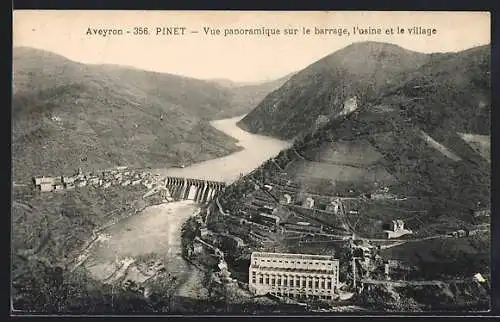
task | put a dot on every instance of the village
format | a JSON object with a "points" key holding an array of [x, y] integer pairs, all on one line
{"points": [[119, 176]]}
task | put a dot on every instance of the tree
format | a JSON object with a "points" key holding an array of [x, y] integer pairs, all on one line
{"points": [[209, 283], [161, 293], [190, 229], [42, 289]]}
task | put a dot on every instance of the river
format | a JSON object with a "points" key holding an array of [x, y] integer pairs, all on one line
{"points": [[157, 228], [256, 150]]}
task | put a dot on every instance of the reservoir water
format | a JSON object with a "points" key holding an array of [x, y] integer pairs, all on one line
{"points": [[256, 150]]}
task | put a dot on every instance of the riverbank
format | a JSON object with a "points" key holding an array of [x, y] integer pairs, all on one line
{"points": [[155, 230], [59, 226], [98, 235]]}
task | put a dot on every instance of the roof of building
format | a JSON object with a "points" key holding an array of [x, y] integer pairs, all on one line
{"points": [[292, 256], [39, 180], [294, 270]]}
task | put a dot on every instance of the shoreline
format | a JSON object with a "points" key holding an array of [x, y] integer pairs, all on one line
{"points": [[95, 237], [140, 237]]}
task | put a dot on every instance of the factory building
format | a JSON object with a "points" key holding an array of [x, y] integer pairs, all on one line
{"points": [[297, 276]]}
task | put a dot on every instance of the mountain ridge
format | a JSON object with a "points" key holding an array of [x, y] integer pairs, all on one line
{"points": [[64, 112], [322, 87]]}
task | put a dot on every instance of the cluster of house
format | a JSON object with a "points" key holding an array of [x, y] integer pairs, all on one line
{"points": [[261, 212], [119, 176], [333, 206], [286, 192], [466, 232], [265, 216]]}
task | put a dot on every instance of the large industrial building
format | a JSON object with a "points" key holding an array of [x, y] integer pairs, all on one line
{"points": [[298, 276]]}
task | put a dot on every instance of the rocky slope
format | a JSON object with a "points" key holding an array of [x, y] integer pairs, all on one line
{"points": [[321, 91], [397, 152], [361, 69]]}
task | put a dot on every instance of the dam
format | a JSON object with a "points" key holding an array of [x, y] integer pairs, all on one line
{"points": [[198, 190]]}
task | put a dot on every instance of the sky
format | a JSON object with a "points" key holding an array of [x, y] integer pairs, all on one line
{"points": [[240, 58]]}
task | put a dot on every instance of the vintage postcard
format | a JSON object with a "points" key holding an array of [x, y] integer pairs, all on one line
{"points": [[216, 162]]}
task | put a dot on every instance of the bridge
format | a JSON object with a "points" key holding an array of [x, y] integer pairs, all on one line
{"points": [[199, 190]]}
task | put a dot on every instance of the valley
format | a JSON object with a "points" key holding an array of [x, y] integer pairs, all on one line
{"points": [[74, 115], [374, 160], [387, 179]]}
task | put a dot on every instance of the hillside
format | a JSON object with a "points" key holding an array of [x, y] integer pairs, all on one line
{"points": [[64, 112], [414, 150], [365, 70], [408, 137], [361, 69], [408, 140], [412, 128]]}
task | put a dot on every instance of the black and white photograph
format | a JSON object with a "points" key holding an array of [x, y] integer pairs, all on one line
{"points": [[250, 162]]}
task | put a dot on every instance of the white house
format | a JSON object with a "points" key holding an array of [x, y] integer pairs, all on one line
{"points": [[309, 203], [46, 187], [81, 183], [286, 199], [334, 206], [478, 277], [47, 180], [67, 180]]}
